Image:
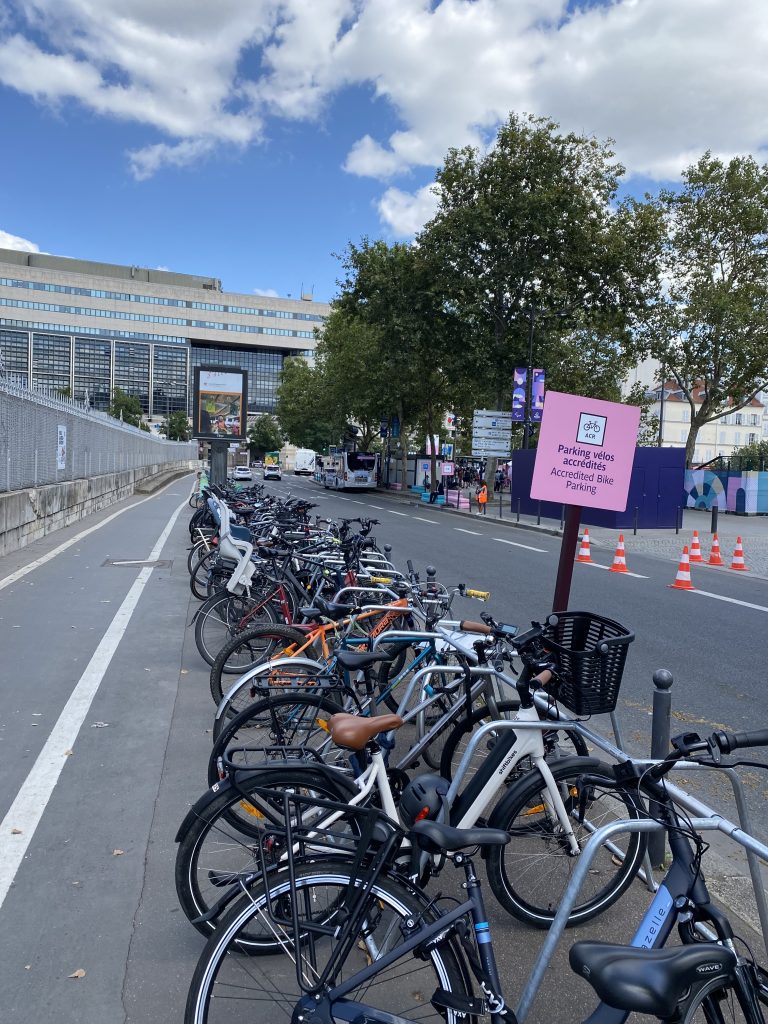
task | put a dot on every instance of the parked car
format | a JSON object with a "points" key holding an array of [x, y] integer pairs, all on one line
{"points": [[243, 473]]}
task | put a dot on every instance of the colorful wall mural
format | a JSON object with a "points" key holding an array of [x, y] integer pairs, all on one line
{"points": [[743, 492]]}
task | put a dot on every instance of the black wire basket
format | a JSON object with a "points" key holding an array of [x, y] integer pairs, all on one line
{"points": [[589, 652]]}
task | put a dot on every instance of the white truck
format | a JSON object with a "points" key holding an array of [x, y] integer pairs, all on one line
{"points": [[304, 462]]}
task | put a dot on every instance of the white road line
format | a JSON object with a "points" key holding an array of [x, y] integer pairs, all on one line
{"points": [[356, 502], [423, 520], [475, 533], [8, 580], [597, 565], [398, 513], [731, 600], [342, 498], [37, 789], [514, 544], [379, 507]]}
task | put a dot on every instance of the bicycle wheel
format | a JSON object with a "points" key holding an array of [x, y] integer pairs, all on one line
{"points": [[221, 617], [231, 987], [218, 851], [530, 875], [286, 720], [720, 1004], [198, 580], [250, 648], [557, 743]]}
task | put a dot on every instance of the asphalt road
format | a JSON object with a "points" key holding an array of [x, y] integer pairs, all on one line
{"points": [[105, 728]]}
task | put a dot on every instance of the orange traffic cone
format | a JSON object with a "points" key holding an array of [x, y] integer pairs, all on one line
{"points": [[683, 578], [619, 560], [696, 548], [738, 557], [715, 557], [584, 555]]}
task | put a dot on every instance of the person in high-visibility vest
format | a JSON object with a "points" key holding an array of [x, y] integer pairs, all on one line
{"points": [[482, 497]]}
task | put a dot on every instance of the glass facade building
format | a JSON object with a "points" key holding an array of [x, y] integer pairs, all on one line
{"points": [[141, 331]]}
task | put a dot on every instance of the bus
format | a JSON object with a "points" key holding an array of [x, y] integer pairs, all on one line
{"points": [[349, 470]]}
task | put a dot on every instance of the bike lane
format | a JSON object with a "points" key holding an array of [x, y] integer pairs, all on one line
{"points": [[72, 900]]}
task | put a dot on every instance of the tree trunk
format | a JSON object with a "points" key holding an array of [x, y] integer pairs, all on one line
{"points": [[697, 422]]}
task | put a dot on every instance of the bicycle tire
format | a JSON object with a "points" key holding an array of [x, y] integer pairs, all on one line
{"points": [[255, 645], [218, 847], [522, 875], [219, 616], [718, 1003], [222, 969], [279, 721], [198, 580], [570, 742]]}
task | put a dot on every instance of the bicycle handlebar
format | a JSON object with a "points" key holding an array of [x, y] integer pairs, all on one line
{"points": [[730, 741]]}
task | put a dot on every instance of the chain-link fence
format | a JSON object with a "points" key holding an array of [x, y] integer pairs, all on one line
{"points": [[45, 439]]}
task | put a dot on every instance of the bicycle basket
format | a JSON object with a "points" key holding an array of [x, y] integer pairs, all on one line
{"points": [[589, 652]]}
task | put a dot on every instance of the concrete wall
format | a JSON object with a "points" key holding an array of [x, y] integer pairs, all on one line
{"points": [[29, 514]]}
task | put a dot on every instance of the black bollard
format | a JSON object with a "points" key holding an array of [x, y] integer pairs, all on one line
{"points": [[662, 706]]}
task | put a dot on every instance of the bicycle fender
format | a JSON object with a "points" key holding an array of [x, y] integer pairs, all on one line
{"points": [[263, 668], [201, 805]]}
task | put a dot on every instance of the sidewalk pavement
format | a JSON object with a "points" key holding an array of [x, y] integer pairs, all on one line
{"points": [[665, 544]]}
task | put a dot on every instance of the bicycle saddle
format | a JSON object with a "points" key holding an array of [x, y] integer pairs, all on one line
{"points": [[326, 609], [435, 837], [353, 731], [648, 980], [360, 659]]}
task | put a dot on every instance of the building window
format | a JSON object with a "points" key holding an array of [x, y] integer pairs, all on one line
{"points": [[737, 437], [737, 418], [93, 363], [51, 360], [14, 346], [169, 381], [132, 371]]}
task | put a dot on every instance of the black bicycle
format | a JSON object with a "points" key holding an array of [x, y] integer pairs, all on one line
{"points": [[364, 943]]}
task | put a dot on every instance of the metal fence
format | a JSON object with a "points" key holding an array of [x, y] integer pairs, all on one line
{"points": [[45, 439]]}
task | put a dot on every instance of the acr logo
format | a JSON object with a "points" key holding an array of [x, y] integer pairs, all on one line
{"points": [[709, 968]]}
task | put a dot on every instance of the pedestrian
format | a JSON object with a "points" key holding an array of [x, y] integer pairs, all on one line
{"points": [[498, 481], [482, 497], [434, 495]]}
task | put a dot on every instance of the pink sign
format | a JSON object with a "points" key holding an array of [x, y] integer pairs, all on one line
{"points": [[585, 452]]}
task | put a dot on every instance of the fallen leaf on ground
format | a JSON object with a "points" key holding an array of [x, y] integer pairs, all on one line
{"points": [[118, 853], [27, 967], [16, 832], [79, 973], [185, 671], [68, 753], [100, 725]]}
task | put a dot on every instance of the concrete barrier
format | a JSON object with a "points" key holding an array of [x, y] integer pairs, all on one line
{"points": [[35, 512]]}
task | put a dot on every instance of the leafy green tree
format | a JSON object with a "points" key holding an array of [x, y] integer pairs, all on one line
{"points": [[413, 361], [126, 407], [176, 426], [750, 456], [710, 328], [529, 230], [264, 435], [302, 408]]}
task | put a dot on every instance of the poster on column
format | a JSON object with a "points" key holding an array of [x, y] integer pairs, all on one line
{"points": [[518, 394], [537, 396], [220, 403], [585, 452]]}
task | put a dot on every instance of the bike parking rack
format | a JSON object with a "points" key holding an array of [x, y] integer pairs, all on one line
{"points": [[712, 822]]}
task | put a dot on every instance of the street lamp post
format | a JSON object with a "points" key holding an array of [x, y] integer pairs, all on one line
{"points": [[531, 314]]}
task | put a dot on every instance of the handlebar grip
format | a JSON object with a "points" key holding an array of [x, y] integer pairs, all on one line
{"points": [[475, 627], [729, 741], [381, 579], [409, 563], [481, 595]]}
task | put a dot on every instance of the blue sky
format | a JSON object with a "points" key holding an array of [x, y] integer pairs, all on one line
{"points": [[251, 139]]}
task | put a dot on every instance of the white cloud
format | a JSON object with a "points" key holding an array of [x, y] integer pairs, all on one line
{"points": [[8, 241], [404, 213], [665, 80], [268, 292]]}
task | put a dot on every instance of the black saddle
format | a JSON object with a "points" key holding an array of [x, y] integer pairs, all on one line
{"points": [[648, 980], [325, 609], [434, 837], [353, 660]]}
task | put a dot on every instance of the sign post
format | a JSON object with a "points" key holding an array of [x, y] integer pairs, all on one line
{"points": [[583, 460]]}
